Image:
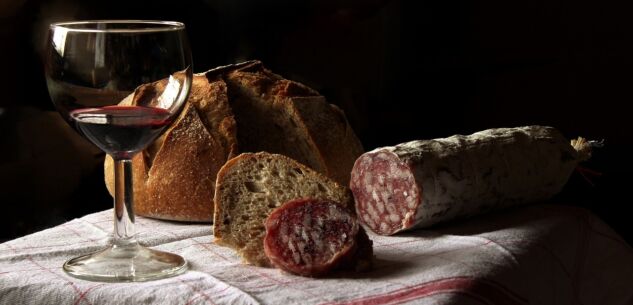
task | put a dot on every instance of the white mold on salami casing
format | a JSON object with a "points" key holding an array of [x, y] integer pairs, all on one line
{"points": [[460, 176]]}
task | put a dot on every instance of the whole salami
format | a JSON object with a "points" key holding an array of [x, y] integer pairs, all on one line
{"points": [[311, 237], [421, 183]]}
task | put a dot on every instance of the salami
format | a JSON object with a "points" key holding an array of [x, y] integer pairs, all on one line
{"points": [[310, 237], [421, 183]]}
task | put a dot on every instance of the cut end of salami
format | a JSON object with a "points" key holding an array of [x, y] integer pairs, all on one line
{"points": [[310, 237], [387, 196]]}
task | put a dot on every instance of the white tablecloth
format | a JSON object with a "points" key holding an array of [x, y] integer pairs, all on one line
{"points": [[533, 255]]}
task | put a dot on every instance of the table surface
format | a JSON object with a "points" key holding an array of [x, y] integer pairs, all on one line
{"points": [[543, 254]]}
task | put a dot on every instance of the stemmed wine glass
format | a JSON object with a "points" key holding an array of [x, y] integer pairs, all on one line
{"points": [[120, 83]]}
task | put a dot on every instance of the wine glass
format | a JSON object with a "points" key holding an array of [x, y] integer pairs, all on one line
{"points": [[120, 83]]}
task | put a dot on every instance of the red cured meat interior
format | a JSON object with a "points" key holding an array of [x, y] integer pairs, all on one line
{"points": [[385, 192], [307, 236]]}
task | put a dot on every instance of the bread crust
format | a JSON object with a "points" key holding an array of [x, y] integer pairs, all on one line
{"points": [[174, 178], [332, 145]]}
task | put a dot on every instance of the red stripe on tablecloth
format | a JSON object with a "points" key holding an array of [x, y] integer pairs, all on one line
{"points": [[256, 270], [47, 246], [68, 228], [208, 247], [217, 295], [483, 290], [153, 230], [82, 296], [198, 291], [32, 261]]}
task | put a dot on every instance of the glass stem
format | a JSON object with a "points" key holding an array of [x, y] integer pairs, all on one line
{"points": [[124, 234]]}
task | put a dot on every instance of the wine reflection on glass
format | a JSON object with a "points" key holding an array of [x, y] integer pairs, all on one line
{"points": [[120, 83]]}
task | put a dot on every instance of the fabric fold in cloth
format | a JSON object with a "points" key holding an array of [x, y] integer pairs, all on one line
{"points": [[534, 255]]}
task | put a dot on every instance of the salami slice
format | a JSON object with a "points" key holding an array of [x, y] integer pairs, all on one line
{"points": [[421, 183], [310, 237]]}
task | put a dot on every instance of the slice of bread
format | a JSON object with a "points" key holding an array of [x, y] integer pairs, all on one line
{"points": [[250, 186], [174, 178], [281, 116]]}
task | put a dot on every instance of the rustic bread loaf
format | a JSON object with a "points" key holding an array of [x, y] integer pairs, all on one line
{"points": [[174, 178], [243, 103], [250, 186], [277, 115]]}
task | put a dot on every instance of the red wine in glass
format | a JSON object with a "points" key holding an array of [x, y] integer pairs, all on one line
{"points": [[121, 130], [91, 67]]}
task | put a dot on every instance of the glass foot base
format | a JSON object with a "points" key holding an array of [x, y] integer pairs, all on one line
{"points": [[129, 263]]}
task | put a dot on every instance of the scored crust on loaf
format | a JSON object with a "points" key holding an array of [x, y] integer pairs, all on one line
{"points": [[174, 178], [250, 186], [277, 115]]}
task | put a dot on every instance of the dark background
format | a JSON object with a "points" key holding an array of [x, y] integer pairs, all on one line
{"points": [[401, 70]]}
